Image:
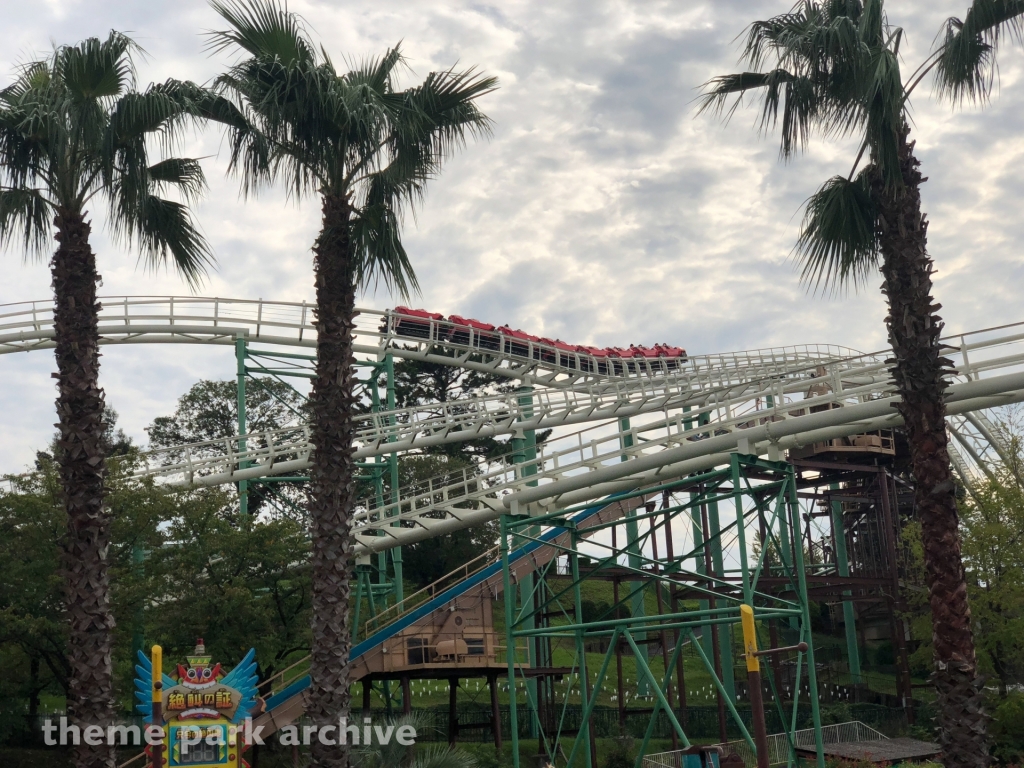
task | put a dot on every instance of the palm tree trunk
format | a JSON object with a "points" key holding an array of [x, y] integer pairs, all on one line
{"points": [[332, 486], [81, 459], [919, 372]]}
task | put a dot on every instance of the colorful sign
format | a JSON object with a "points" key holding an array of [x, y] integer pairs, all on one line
{"points": [[202, 710]]}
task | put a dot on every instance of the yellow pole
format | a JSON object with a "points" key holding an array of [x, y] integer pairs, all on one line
{"points": [[158, 701], [158, 672], [749, 638], [754, 684]]}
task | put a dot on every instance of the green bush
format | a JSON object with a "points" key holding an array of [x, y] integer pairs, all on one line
{"points": [[1007, 730], [622, 753]]}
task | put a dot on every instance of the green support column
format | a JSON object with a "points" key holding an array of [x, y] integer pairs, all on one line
{"points": [[243, 485], [634, 560], [529, 436], [805, 629], [581, 650], [698, 555], [378, 476], [741, 532], [724, 630], [524, 449], [698, 543], [510, 641], [843, 568], [396, 553]]}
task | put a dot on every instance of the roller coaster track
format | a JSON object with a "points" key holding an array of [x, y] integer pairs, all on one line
{"points": [[686, 415]]}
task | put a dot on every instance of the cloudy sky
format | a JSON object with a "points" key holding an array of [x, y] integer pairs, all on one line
{"points": [[602, 210]]}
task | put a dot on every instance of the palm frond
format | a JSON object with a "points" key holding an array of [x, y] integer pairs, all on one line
{"points": [[375, 232], [393, 753], [795, 94], [838, 246], [263, 28], [447, 756], [441, 113], [966, 67], [184, 173], [163, 107], [96, 69], [34, 75], [351, 135], [881, 112], [376, 73], [250, 148], [166, 231], [24, 216]]}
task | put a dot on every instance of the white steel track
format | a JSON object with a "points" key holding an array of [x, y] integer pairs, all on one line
{"points": [[686, 415]]}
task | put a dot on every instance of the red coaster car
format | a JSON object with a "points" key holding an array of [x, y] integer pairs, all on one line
{"points": [[473, 333], [417, 324]]}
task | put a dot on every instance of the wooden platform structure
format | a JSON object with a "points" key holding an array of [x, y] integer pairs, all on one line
{"points": [[886, 751]]}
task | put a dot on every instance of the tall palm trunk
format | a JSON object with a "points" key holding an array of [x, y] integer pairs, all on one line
{"points": [[81, 458], [914, 329], [332, 486]]}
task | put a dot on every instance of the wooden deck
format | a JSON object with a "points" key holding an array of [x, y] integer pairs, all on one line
{"points": [[883, 751]]}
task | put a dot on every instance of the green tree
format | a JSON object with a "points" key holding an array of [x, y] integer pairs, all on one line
{"points": [[367, 149], [993, 531], [33, 633], [236, 586], [833, 67], [32, 532], [209, 411], [420, 384], [75, 132]]}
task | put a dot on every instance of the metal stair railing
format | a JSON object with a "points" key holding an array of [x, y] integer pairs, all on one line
{"points": [[394, 612]]}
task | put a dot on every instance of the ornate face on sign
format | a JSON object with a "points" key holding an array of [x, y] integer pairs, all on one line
{"points": [[199, 674], [200, 694], [202, 690]]}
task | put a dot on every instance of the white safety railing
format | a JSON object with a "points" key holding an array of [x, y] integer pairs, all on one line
{"points": [[755, 401], [213, 320], [845, 395]]}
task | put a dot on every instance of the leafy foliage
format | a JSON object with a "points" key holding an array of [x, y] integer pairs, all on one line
{"points": [[427, 561], [350, 135], [991, 530], [837, 244], [394, 754], [1008, 730], [203, 576], [209, 411], [421, 384], [74, 128], [833, 68], [965, 67]]}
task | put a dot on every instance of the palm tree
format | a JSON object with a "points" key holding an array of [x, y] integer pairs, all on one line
{"points": [[74, 132], [833, 66], [367, 149]]}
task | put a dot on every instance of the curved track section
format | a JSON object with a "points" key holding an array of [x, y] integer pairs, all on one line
{"points": [[686, 414], [210, 320]]}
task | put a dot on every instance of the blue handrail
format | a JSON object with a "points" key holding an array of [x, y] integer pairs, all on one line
{"points": [[432, 605]]}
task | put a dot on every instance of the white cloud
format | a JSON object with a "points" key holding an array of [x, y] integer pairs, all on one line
{"points": [[601, 211]]}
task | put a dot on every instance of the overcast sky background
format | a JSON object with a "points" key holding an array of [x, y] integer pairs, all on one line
{"points": [[602, 210]]}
